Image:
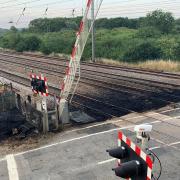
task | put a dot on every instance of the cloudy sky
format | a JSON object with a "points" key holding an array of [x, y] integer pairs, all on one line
{"points": [[10, 10]]}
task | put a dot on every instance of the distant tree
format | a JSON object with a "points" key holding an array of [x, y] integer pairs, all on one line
{"points": [[54, 24], [163, 21], [117, 22], [177, 26], [13, 29]]}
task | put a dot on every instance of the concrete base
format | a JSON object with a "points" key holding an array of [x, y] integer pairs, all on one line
{"points": [[80, 117], [45, 122], [64, 113]]}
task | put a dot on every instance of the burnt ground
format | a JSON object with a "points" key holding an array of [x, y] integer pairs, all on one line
{"points": [[124, 100], [115, 103], [10, 120]]}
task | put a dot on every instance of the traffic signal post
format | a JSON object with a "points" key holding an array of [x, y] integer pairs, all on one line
{"points": [[133, 163], [40, 87]]}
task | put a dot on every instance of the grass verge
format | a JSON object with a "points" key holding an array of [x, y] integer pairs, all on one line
{"points": [[159, 65]]}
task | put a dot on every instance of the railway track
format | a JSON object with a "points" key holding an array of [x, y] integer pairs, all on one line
{"points": [[62, 62], [99, 114], [120, 84], [119, 95], [53, 90], [57, 69]]}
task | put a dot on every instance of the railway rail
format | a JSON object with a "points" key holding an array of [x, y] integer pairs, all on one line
{"points": [[56, 90], [124, 94], [57, 68], [147, 86], [62, 62]]}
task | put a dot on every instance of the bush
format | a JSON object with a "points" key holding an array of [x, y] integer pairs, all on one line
{"points": [[167, 46], [144, 51], [148, 32], [177, 51], [10, 40], [32, 43], [45, 49], [21, 46], [61, 42]]}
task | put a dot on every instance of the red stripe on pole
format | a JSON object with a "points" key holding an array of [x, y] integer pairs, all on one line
{"points": [[45, 78], [67, 70], [35, 91], [81, 27], [149, 162], [73, 52], [128, 142], [138, 150], [120, 135], [62, 87], [148, 178], [89, 3]]}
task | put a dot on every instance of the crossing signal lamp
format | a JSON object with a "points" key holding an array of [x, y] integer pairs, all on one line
{"points": [[133, 163], [39, 85]]}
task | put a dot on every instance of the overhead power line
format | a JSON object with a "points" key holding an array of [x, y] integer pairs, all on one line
{"points": [[8, 2], [15, 6], [33, 1], [27, 2], [45, 13], [121, 8], [140, 5], [22, 14], [119, 13]]}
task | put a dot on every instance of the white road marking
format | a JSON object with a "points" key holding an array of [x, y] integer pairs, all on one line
{"points": [[171, 118], [175, 143], [165, 145], [3, 159], [100, 132], [96, 125], [82, 137], [156, 147], [152, 148], [169, 110], [106, 161], [12, 167], [159, 141]]}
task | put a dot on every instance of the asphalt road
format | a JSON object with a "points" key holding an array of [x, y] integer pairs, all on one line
{"points": [[80, 154]]}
